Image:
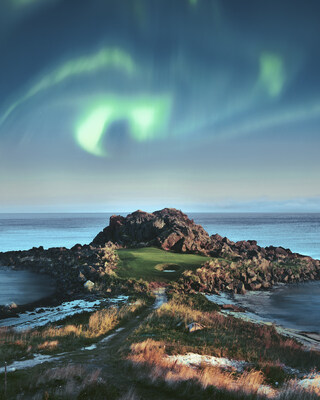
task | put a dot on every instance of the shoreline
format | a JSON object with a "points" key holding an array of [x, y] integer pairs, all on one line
{"points": [[309, 339]]}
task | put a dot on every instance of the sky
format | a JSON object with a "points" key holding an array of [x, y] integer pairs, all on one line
{"points": [[202, 105]]}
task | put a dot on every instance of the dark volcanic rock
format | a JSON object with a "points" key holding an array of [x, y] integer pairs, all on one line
{"points": [[168, 229]]}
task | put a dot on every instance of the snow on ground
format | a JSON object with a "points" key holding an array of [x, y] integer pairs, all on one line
{"points": [[32, 362], [88, 348], [44, 315], [107, 338], [195, 360]]}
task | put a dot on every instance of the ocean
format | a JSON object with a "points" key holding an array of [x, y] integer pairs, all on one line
{"points": [[299, 232], [297, 307]]}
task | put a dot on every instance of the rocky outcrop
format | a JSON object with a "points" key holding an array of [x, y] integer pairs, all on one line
{"points": [[241, 276], [169, 229]]}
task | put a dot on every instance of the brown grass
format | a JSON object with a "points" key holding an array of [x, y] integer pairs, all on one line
{"points": [[48, 345], [152, 365], [14, 345], [223, 336], [150, 356]]}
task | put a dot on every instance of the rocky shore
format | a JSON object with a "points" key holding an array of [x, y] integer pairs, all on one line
{"points": [[75, 270], [236, 266]]}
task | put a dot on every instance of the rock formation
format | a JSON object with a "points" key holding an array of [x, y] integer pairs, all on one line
{"points": [[168, 229], [236, 266]]}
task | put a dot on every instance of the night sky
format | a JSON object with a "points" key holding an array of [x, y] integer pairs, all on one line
{"points": [[110, 105]]}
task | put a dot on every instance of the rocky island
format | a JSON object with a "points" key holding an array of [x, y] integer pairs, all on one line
{"points": [[230, 266]]}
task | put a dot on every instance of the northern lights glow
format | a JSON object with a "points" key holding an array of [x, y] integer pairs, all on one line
{"points": [[272, 73], [146, 117], [105, 58], [90, 131], [165, 100]]}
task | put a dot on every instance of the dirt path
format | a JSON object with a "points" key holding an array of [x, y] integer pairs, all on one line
{"points": [[108, 356]]}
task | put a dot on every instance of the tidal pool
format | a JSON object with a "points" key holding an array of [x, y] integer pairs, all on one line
{"points": [[23, 287]]}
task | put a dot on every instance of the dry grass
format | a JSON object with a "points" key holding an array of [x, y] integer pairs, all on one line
{"points": [[223, 336], [152, 365], [14, 345], [294, 391], [48, 345], [150, 357]]}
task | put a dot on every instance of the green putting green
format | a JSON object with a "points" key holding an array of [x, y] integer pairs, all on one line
{"points": [[152, 264]]}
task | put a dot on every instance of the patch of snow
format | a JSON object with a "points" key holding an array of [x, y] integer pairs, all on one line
{"points": [[107, 338], [195, 360], [92, 347], [119, 329], [169, 270], [36, 360], [42, 316]]}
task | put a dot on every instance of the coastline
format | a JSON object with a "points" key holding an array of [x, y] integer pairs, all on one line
{"points": [[234, 267], [229, 306]]}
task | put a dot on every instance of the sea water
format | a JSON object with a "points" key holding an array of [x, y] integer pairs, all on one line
{"points": [[299, 232], [293, 305]]}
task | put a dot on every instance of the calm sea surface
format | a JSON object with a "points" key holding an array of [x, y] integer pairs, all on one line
{"points": [[297, 306]]}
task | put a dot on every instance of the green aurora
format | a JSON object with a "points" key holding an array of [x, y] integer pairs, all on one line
{"points": [[193, 103], [147, 118]]}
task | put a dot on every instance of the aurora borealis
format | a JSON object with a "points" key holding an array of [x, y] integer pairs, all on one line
{"points": [[197, 104]]}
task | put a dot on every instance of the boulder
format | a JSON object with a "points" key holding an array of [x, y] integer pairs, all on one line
{"points": [[89, 285], [11, 306], [194, 326]]}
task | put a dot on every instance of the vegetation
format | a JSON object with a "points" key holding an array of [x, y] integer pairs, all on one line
{"points": [[150, 263], [75, 332], [137, 364], [268, 355], [151, 366], [222, 336]]}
